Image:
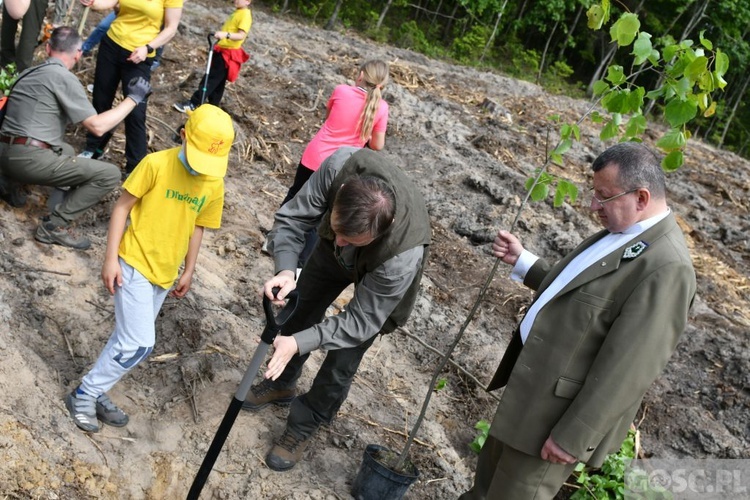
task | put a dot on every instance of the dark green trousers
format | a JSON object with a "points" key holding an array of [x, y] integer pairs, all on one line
{"points": [[504, 473], [89, 180], [320, 283]]}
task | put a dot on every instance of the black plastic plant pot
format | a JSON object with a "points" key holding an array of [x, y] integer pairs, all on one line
{"points": [[376, 481]]}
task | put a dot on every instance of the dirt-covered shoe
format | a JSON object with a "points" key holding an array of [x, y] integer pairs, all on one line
{"points": [[47, 232], [261, 395], [109, 413], [287, 451], [82, 409]]}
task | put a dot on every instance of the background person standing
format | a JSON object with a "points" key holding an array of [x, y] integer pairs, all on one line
{"points": [[126, 52]]}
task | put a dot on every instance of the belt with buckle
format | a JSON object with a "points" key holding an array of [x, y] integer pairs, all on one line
{"points": [[25, 140]]}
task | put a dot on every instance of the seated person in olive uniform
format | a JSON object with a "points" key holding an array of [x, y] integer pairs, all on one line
{"points": [[43, 101]]}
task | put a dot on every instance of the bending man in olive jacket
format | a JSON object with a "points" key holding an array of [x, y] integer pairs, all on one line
{"points": [[374, 230], [602, 326]]}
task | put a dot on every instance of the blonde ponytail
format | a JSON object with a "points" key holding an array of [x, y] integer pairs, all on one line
{"points": [[374, 78]]}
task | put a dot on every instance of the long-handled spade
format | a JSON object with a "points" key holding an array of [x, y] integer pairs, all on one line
{"points": [[211, 45], [273, 327], [176, 137]]}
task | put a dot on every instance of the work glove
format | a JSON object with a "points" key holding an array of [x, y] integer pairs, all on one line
{"points": [[138, 89]]}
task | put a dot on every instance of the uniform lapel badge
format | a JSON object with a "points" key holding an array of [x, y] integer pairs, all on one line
{"points": [[634, 250]]}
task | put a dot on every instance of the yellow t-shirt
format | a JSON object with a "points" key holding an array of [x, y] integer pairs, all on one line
{"points": [[139, 21], [240, 20], [171, 203]]}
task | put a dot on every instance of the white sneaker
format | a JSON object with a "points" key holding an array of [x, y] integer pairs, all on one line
{"points": [[90, 88]]}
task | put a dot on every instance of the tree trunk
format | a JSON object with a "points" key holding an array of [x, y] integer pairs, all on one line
{"points": [[544, 54], [494, 31], [734, 111], [570, 33], [435, 14], [382, 14], [335, 16], [449, 25], [521, 10], [599, 71]]}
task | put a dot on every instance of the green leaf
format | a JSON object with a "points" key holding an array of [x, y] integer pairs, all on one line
{"points": [[616, 75], [565, 131], [559, 197], [597, 15], [609, 131], [655, 94], [642, 48], [620, 101], [696, 68], [682, 88], [623, 31], [710, 110], [482, 425], [540, 192], [670, 51], [674, 139], [721, 65], [563, 147], [705, 42], [440, 385], [636, 126], [600, 87], [596, 117], [556, 158], [635, 100], [576, 132], [672, 161], [679, 112], [565, 189], [654, 58], [719, 82]]}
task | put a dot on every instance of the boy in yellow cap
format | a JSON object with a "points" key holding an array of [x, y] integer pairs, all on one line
{"points": [[171, 196]]}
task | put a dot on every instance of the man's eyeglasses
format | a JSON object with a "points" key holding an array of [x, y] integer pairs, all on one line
{"points": [[607, 200]]}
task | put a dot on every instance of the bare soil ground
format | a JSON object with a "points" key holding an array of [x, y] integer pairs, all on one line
{"points": [[470, 164]]}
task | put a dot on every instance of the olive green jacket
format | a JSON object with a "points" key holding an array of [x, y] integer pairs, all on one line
{"points": [[596, 347]]}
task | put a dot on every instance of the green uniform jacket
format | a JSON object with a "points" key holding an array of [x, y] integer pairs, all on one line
{"points": [[410, 227], [596, 347]]}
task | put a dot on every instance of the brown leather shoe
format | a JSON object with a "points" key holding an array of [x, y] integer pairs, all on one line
{"points": [[261, 395], [287, 451]]}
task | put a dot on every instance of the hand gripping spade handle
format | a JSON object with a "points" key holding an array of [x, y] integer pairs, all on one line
{"points": [[273, 327]]}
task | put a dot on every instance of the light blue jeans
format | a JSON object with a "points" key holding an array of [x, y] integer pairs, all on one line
{"points": [[137, 303]]}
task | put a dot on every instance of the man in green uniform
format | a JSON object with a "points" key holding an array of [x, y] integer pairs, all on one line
{"points": [[32, 151]]}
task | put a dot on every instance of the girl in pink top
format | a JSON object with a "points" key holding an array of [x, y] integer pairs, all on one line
{"points": [[356, 115]]}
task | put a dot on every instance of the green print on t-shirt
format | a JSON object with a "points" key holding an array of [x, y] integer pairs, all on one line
{"points": [[195, 202]]}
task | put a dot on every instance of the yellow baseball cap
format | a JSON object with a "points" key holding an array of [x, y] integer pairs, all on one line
{"points": [[209, 133]]}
